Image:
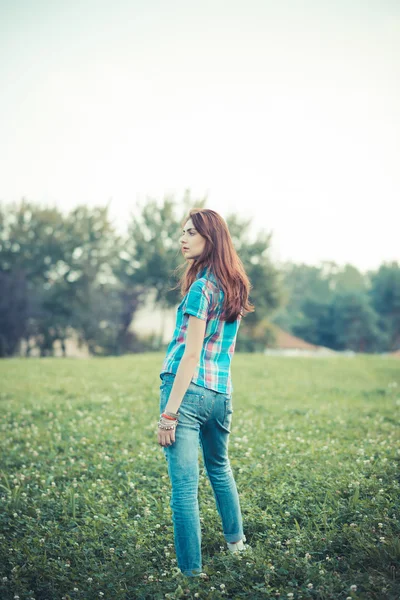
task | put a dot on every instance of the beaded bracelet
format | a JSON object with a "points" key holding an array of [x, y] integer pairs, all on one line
{"points": [[162, 425], [167, 416]]}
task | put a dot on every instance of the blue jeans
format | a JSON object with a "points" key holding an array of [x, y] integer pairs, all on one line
{"points": [[205, 419]]}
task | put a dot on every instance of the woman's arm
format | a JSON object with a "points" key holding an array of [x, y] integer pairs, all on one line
{"points": [[194, 343]]}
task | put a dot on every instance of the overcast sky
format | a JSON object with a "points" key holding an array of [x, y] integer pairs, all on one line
{"points": [[288, 112]]}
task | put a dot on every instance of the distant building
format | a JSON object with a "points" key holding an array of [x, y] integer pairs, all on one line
{"points": [[290, 345]]}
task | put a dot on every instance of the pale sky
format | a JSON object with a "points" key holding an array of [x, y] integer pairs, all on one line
{"points": [[284, 111]]}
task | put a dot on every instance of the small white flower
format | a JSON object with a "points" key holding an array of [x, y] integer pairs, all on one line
{"points": [[380, 525], [222, 586], [90, 579], [112, 550], [290, 595], [76, 590], [353, 588], [310, 586]]}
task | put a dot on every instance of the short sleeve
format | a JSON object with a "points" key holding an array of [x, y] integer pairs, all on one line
{"points": [[198, 301]]}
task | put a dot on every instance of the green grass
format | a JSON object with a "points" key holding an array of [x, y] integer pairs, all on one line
{"points": [[84, 488]]}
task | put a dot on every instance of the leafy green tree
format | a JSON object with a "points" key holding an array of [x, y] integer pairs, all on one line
{"points": [[309, 293], [266, 293], [347, 279], [31, 240], [13, 311], [152, 255], [30, 249], [152, 252], [385, 298], [89, 282], [355, 324], [303, 285], [67, 263], [315, 324]]}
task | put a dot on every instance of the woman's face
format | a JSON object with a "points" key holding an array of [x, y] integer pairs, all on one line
{"points": [[192, 243]]}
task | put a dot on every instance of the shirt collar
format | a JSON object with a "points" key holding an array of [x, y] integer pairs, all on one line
{"points": [[206, 272]]}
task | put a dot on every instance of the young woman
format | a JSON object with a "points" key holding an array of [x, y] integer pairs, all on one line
{"points": [[196, 388]]}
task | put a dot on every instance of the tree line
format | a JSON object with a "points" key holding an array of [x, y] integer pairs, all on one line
{"points": [[63, 273], [341, 308]]}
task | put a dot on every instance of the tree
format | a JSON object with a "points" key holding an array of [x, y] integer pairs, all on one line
{"points": [[385, 298], [355, 324], [13, 311], [152, 252], [89, 282], [30, 247], [315, 325], [66, 263], [348, 279], [151, 255], [266, 293]]}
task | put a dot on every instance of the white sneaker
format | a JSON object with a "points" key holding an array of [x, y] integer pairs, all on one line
{"points": [[238, 546]]}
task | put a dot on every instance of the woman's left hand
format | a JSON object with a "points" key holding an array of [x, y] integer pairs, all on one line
{"points": [[166, 437]]}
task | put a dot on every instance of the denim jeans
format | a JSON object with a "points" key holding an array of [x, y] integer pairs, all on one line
{"points": [[205, 420]]}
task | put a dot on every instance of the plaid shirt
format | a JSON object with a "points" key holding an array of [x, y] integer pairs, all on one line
{"points": [[204, 300]]}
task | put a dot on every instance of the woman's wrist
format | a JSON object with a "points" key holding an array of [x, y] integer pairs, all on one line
{"points": [[171, 414], [168, 422], [168, 416]]}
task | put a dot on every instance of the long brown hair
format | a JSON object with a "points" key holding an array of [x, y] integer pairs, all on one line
{"points": [[221, 257]]}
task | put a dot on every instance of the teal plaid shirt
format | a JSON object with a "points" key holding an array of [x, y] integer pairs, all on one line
{"points": [[204, 300]]}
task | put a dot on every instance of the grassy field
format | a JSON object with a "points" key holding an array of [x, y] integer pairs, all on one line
{"points": [[84, 489]]}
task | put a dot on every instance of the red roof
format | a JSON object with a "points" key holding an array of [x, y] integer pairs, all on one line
{"points": [[286, 340]]}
